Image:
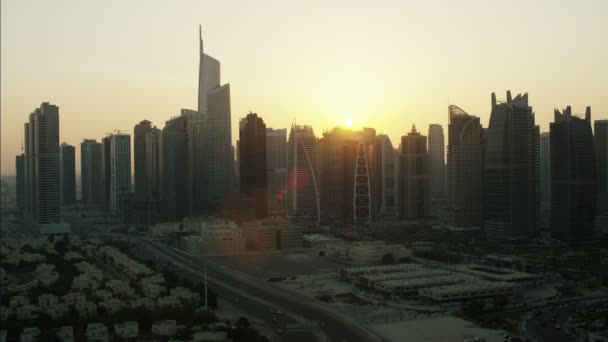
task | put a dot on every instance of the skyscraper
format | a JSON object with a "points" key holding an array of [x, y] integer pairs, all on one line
{"points": [[346, 168], [196, 173], [20, 172], [302, 175], [42, 175], [437, 156], [414, 176], [173, 191], [68, 174], [252, 149], [545, 178], [219, 145], [215, 121], [573, 176], [386, 184], [91, 173], [276, 170], [465, 170], [139, 150], [106, 173], [511, 197], [601, 153], [120, 161]]}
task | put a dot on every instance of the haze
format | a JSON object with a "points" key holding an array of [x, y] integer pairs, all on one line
{"points": [[386, 65]]}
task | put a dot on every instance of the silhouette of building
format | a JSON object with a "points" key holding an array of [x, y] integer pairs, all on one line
{"points": [[302, 175], [144, 208], [20, 172], [120, 183], [545, 178], [173, 192], [437, 156], [465, 170], [215, 125], [573, 177], [386, 177], [106, 173], [91, 173], [252, 161], [414, 176], [42, 171], [512, 198], [68, 174], [601, 153], [346, 167], [196, 173], [276, 170]]}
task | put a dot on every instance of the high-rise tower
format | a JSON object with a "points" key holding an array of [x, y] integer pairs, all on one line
{"points": [[465, 170], [386, 182], [68, 174], [414, 177], [91, 173], [573, 177], [302, 175], [252, 150], [512, 199], [276, 170], [437, 156]]}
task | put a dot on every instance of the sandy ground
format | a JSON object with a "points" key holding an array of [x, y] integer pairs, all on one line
{"points": [[440, 329]]}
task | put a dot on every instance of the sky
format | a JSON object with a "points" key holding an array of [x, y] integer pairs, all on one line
{"points": [[384, 64]]}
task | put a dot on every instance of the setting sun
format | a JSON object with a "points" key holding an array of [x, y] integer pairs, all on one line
{"points": [[348, 122]]}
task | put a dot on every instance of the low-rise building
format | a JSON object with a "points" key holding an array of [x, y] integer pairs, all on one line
{"points": [[17, 301], [56, 311], [210, 336], [65, 334], [127, 329], [47, 300], [30, 334], [97, 332], [72, 298], [143, 302], [169, 302], [468, 291], [164, 328], [111, 305], [86, 308], [27, 312]]}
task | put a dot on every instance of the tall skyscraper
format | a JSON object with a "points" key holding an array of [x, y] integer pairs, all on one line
{"points": [[465, 170], [120, 183], [511, 198], [68, 174], [174, 165], [601, 154], [414, 177], [20, 172], [386, 183], [302, 175], [215, 120], [196, 173], [437, 156], [276, 170], [106, 173], [144, 208], [346, 169], [91, 173], [573, 177], [252, 147], [545, 178], [42, 175], [139, 156]]}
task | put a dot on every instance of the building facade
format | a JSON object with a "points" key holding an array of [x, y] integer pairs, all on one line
{"points": [[252, 161], [91, 173], [276, 170], [68, 174], [42, 171], [437, 157], [120, 183], [386, 177], [601, 154], [20, 172], [545, 178], [464, 169], [573, 177], [414, 177], [174, 165], [511, 196], [302, 175]]}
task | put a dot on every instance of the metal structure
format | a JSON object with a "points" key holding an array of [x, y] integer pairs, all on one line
{"points": [[362, 210]]}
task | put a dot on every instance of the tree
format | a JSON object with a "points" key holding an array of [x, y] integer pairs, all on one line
{"points": [[388, 259]]}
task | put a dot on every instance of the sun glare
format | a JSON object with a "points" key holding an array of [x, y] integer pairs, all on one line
{"points": [[348, 122]]}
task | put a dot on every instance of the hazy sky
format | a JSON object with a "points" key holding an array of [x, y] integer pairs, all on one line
{"points": [[386, 64]]}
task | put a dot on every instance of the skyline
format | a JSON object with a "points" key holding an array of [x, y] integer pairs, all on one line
{"points": [[319, 89]]}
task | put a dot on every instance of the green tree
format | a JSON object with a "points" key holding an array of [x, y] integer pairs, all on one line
{"points": [[388, 259]]}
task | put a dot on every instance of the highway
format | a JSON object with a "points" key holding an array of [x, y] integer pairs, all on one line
{"points": [[256, 298]]}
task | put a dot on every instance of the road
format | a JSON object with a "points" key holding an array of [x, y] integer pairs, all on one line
{"points": [[338, 327], [256, 297]]}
